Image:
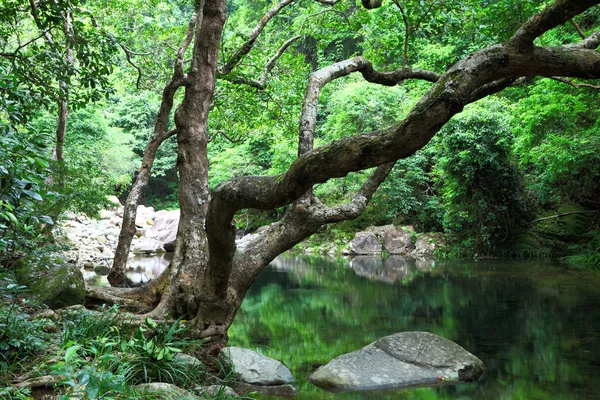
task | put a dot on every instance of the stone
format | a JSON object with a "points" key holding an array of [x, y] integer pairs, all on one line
{"points": [[191, 361], [427, 243], [147, 246], [88, 265], [116, 203], [219, 391], [286, 391], [102, 239], [164, 228], [255, 368], [143, 215], [52, 282], [102, 269], [165, 391], [397, 241], [365, 243], [402, 360]]}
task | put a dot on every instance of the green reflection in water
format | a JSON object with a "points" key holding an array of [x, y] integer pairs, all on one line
{"points": [[535, 325]]}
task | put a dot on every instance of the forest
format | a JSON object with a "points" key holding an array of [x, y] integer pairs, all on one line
{"points": [[297, 127]]}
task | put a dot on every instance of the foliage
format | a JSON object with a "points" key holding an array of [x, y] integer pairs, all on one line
{"points": [[23, 215], [125, 359], [586, 256], [482, 192]]}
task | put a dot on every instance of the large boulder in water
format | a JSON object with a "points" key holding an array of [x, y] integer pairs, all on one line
{"points": [[50, 281], [403, 360], [254, 368]]}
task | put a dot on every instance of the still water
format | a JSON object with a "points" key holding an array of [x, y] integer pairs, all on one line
{"points": [[535, 325]]}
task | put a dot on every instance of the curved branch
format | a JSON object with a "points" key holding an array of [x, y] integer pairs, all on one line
{"points": [[575, 84], [299, 222], [556, 14]]}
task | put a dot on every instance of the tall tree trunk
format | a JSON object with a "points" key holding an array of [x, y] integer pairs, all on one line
{"points": [[190, 291]]}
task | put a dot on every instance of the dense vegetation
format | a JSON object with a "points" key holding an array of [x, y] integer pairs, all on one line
{"points": [[81, 84], [531, 151]]}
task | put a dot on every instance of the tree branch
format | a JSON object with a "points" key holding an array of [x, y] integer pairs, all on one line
{"points": [[556, 14], [261, 83], [446, 98], [247, 46], [575, 84], [300, 221], [578, 28]]}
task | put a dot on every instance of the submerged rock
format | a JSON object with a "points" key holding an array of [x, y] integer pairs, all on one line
{"points": [[255, 368], [53, 283], [403, 360]]}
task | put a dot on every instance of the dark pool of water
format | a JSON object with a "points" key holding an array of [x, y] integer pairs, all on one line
{"points": [[535, 325]]}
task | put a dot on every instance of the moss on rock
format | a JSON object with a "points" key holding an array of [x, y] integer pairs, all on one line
{"points": [[52, 282]]}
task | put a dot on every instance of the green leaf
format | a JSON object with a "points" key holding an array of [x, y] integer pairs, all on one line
{"points": [[32, 194], [71, 351]]}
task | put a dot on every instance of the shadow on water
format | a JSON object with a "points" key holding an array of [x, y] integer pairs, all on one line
{"points": [[535, 325]]}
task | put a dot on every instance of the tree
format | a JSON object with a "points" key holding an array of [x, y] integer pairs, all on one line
{"points": [[205, 282]]}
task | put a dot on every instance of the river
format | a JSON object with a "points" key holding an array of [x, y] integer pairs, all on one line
{"points": [[536, 325]]}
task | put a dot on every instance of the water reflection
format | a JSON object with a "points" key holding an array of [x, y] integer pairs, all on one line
{"points": [[391, 269], [140, 269], [535, 325]]}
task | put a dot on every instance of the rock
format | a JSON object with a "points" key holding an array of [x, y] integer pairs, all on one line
{"points": [[403, 360], [165, 391], [427, 243], [255, 368], [88, 265], [220, 391], [102, 269], [143, 215], [397, 241], [365, 243], [147, 245], [169, 246], [240, 244], [102, 239], [164, 228], [191, 361], [51, 282], [286, 391]]}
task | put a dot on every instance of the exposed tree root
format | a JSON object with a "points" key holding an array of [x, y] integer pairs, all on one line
{"points": [[137, 300]]}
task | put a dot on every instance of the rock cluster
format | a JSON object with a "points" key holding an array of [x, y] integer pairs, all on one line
{"points": [[95, 241], [395, 240]]}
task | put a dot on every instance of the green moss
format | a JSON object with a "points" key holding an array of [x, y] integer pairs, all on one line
{"points": [[51, 282]]}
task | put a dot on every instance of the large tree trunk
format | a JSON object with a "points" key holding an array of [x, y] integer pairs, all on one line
{"points": [[190, 291], [205, 283]]}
